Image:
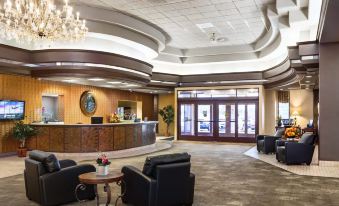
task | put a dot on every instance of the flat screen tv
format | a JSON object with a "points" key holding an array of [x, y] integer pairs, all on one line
{"points": [[12, 110]]}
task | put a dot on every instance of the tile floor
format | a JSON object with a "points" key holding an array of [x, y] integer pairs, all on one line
{"points": [[313, 170]]}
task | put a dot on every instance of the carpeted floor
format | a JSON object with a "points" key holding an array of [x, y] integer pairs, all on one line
{"points": [[224, 176]]}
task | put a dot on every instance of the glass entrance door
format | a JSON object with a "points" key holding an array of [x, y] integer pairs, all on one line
{"points": [[218, 120], [205, 120], [226, 120], [187, 119], [247, 120]]}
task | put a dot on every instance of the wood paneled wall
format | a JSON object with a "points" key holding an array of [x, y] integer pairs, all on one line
{"points": [[31, 90]]}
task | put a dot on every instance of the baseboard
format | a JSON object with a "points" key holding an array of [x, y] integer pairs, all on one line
{"points": [[7, 154], [328, 163]]}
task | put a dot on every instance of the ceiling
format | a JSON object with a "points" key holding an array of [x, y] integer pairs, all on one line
{"points": [[190, 23]]}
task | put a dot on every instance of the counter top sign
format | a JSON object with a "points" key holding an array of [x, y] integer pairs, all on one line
{"points": [[88, 103]]}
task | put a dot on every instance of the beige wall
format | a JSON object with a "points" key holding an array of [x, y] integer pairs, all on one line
{"points": [[302, 101], [270, 111], [164, 100]]}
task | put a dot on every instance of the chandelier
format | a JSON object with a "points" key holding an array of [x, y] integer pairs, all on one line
{"points": [[32, 20]]}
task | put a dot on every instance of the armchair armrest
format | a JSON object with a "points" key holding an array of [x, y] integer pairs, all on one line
{"points": [[67, 163], [60, 185], [139, 189], [260, 137], [280, 143], [298, 152]]}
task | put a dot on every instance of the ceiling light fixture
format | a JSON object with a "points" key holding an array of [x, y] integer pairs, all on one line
{"points": [[95, 79], [309, 76], [27, 21], [69, 80]]}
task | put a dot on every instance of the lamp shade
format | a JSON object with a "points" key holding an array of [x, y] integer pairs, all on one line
{"points": [[295, 113]]}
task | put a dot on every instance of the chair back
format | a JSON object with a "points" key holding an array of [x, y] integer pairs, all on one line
{"points": [[33, 170], [307, 138], [280, 132], [172, 183]]}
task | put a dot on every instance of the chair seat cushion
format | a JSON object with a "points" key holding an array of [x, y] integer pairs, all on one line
{"points": [[48, 160], [152, 162]]}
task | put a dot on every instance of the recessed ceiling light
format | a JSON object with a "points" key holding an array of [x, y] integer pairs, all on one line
{"points": [[281, 89], [69, 80], [130, 85], [307, 81], [309, 76], [96, 79], [155, 81], [113, 82]]}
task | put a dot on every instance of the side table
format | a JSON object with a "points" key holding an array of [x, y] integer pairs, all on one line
{"points": [[92, 178]]}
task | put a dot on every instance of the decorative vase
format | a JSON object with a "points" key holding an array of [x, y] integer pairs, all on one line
{"points": [[102, 170]]}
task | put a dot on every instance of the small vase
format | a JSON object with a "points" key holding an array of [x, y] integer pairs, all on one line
{"points": [[102, 170]]}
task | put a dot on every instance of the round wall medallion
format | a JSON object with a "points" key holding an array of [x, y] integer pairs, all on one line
{"points": [[88, 104]]}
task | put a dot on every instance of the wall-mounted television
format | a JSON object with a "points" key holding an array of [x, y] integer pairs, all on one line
{"points": [[12, 110]]}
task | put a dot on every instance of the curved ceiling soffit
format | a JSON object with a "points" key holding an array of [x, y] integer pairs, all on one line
{"points": [[76, 62], [118, 18], [277, 73]]}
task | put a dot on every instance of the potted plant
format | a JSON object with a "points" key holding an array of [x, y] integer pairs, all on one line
{"points": [[22, 132], [103, 165], [167, 114]]}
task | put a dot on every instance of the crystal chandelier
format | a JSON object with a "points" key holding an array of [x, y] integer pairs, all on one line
{"points": [[31, 20]]}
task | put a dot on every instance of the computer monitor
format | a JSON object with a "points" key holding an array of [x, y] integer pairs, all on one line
{"points": [[97, 120]]}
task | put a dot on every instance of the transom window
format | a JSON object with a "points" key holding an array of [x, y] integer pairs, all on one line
{"points": [[219, 93]]}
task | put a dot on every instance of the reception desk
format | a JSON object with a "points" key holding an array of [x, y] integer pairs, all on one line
{"points": [[79, 138]]}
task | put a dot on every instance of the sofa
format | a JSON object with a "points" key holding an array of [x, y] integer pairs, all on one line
{"points": [[266, 143], [165, 180], [300, 152], [49, 181]]}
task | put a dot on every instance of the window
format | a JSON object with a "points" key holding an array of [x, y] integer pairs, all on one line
{"points": [[284, 110], [284, 104], [219, 93]]}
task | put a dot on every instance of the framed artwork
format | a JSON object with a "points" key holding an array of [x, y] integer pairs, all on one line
{"points": [[88, 104]]}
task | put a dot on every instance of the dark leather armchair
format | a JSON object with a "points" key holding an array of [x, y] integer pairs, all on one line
{"points": [[266, 143], [52, 182], [165, 180], [296, 152]]}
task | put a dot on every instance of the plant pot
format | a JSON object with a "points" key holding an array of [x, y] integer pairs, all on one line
{"points": [[102, 170], [22, 152]]}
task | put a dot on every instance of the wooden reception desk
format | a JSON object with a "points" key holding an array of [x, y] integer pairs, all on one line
{"points": [[77, 138]]}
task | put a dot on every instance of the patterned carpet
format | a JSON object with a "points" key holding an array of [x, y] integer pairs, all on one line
{"points": [[224, 176]]}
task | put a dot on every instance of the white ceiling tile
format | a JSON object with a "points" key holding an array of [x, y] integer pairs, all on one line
{"points": [[179, 18]]}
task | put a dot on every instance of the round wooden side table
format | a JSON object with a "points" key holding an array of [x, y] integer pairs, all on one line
{"points": [[92, 178]]}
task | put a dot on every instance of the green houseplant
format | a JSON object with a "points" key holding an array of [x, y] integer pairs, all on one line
{"points": [[21, 132], [167, 114]]}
